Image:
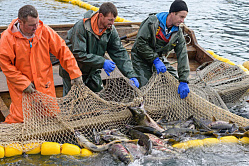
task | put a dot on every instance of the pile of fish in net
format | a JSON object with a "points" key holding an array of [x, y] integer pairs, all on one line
{"points": [[119, 116]]}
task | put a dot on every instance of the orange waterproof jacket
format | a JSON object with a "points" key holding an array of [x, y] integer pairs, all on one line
{"points": [[23, 62]]}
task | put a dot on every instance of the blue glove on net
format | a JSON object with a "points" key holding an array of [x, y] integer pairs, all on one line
{"points": [[109, 66], [183, 90], [135, 82], [160, 67]]}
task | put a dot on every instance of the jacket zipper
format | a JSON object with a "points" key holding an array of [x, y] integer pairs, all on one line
{"points": [[30, 43]]}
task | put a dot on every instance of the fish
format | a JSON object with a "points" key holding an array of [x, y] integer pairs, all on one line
{"points": [[160, 144], [136, 150], [144, 140], [188, 123], [174, 132], [84, 142], [96, 137], [155, 140], [229, 130], [109, 138], [200, 124], [105, 132], [167, 124], [246, 128], [121, 152], [239, 133], [209, 133], [221, 125], [111, 135], [143, 119], [148, 129]]}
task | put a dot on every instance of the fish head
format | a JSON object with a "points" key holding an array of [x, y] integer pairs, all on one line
{"points": [[138, 113], [76, 133]]}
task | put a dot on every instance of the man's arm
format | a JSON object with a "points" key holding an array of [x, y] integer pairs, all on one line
{"points": [[58, 47], [182, 59], [144, 41], [7, 58], [119, 55], [78, 45]]}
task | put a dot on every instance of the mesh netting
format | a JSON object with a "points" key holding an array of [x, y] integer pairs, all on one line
{"points": [[229, 81], [55, 119]]}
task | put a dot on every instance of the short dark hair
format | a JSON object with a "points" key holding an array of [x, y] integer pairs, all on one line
{"points": [[27, 10], [178, 5], [107, 8]]}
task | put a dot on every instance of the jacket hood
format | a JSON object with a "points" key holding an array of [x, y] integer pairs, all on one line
{"points": [[88, 15], [162, 17], [12, 29]]}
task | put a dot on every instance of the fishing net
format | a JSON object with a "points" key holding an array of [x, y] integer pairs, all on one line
{"points": [[229, 81], [54, 119]]}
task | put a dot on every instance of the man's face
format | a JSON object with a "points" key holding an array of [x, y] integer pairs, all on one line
{"points": [[29, 26], [106, 21], [178, 17]]}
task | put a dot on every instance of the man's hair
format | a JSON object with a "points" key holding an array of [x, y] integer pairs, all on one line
{"points": [[178, 5], [27, 10], [107, 8]]}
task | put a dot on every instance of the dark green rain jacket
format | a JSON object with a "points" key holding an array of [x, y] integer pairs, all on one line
{"points": [[89, 50], [147, 47]]}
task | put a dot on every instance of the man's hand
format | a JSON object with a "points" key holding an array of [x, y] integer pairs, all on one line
{"points": [[30, 89], [109, 66], [160, 67], [135, 82], [77, 81], [183, 90]]}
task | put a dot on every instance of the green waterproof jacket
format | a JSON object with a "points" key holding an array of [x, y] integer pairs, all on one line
{"points": [[89, 49], [147, 47]]}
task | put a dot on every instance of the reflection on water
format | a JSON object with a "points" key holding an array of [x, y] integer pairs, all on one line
{"points": [[219, 25], [50, 11]]}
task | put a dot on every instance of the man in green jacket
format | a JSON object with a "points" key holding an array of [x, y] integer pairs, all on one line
{"points": [[88, 40], [158, 35]]}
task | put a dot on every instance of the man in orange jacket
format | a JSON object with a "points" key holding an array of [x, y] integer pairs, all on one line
{"points": [[25, 59]]}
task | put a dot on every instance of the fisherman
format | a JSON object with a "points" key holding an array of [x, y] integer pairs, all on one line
{"points": [[88, 40], [25, 59], [159, 34]]}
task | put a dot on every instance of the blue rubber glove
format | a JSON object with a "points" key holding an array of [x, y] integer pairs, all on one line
{"points": [[183, 90], [135, 82], [108, 66], [160, 67]]}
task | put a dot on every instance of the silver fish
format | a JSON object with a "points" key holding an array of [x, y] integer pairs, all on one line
{"points": [[84, 142], [222, 125], [143, 119]]}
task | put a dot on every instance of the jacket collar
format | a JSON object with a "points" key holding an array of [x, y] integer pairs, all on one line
{"points": [[87, 24], [12, 29], [162, 17]]}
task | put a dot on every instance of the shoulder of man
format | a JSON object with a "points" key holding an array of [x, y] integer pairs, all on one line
{"points": [[89, 14], [151, 18]]}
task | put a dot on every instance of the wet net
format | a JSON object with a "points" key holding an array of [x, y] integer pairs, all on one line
{"points": [[54, 119], [229, 81]]}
